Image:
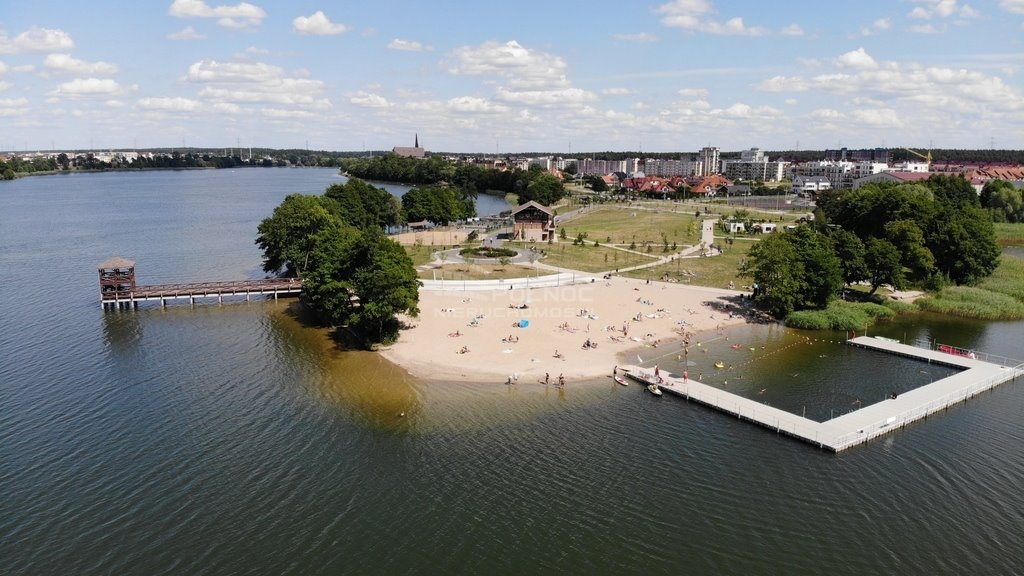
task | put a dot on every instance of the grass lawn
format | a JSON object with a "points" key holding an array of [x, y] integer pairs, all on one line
{"points": [[480, 272], [715, 271], [625, 225], [592, 259], [420, 254]]}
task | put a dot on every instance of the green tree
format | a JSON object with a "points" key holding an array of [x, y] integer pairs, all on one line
{"points": [[964, 244], [850, 251], [909, 240], [287, 237], [543, 188], [883, 262], [776, 268], [1004, 202], [386, 285]]}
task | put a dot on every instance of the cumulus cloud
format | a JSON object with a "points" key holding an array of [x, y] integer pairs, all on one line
{"points": [[175, 104], [474, 105], [13, 107], [241, 15], [793, 30], [692, 15], [1014, 6], [369, 100], [407, 45], [82, 87], [637, 37], [522, 66], [693, 92], [318, 24], [185, 34], [616, 91], [783, 84], [928, 9], [255, 82], [36, 40], [67, 64], [858, 59], [561, 97]]}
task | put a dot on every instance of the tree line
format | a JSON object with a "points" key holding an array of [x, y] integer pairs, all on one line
{"points": [[532, 184], [929, 234], [353, 276]]}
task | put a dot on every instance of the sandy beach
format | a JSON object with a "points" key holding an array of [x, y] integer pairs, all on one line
{"points": [[477, 337]]}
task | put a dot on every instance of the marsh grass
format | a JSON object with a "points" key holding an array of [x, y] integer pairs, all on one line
{"points": [[840, 315], [972, 302]]}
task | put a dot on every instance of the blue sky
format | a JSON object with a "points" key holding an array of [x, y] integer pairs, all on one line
{"points": [[523, 76]]}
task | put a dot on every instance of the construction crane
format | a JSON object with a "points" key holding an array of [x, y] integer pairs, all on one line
{"points": [[925, 157]]}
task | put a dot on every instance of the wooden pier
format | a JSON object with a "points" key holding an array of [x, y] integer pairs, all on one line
{"points": [[860, 426], [119, 290]]}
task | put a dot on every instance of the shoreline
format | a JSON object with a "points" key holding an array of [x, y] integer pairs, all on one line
{"points": [[469, 336]]}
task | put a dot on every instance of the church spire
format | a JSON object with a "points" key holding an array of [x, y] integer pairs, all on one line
{"points": [[417, 145]]}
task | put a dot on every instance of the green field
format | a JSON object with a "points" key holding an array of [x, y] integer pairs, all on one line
{"points": [[420, 254], [624, 225], [714, 271], [590, 258]]}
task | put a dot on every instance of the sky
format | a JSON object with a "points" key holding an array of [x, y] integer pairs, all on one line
{"points": [[512, 77]]}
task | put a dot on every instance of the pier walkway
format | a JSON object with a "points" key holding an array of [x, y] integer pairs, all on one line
{"points": [[163, 292], [862, 425]]}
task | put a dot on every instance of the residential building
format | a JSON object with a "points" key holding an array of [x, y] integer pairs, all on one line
{"points": [[810, 185], [669, 168], [533, 222], [709, 157]]}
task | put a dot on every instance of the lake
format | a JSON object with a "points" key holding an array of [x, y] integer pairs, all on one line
{"points": [[237, 439]]}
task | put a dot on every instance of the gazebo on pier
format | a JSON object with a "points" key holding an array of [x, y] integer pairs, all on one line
{"points": [[117, 281]]}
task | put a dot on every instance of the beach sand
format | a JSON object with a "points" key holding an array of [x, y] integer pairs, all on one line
{"points": [[561, 320]]}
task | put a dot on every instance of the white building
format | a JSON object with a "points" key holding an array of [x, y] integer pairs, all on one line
{"points": [[810, 185], [669, 168], [709, 157]]}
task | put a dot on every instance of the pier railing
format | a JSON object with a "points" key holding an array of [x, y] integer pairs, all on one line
{"points": [[924, 410]]}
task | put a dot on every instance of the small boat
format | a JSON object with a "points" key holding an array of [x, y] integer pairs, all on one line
{"points": [[719, 364], [653, 389], [621, 380]]}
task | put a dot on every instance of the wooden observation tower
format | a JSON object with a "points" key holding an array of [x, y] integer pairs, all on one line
{"points": [[117, 282]]}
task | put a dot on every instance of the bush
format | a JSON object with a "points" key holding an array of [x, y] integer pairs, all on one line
{"points": [[899, 306], [485, 252], [840, 315]]}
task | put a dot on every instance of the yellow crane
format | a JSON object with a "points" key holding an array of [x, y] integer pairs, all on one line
{"points": [[925, 157]]}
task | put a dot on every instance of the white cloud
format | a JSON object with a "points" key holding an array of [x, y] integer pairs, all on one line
{"points": [[693, 92], [523, 67], [560, 97], [112, 103], [214, 71], [616, 91], [4, 85], [925, 29], [879, 117], [793, 30], [637, 37], [858, 59], [24, 68], [10, 107], [407, 45], [241, 15], [472, 104], [66, 63], [278, 113], [175, 104], [186, 33], [369, 100], [792, 101], [89, 87], [942, 9], [255, 82], [36, 40], [689, 15], [318, 24], [783, 84], [826, 114], [3, 67], [1015, 6]]}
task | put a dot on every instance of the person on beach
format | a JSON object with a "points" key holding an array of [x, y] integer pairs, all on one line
{"points": [[615, 370], [547, 378]]}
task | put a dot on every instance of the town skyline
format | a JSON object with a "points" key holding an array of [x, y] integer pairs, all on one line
{"points": [[661, 77]]}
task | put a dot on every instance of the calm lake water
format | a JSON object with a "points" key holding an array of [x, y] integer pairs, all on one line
{"points": [[234, 439]]}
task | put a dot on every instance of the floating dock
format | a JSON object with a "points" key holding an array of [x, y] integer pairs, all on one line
{"points": [[862, 425]]}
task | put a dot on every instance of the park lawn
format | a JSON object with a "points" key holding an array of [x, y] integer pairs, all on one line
{"points": [[625, 225], [480, 272], [713, 271], [420, 254], [590, 258]]}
